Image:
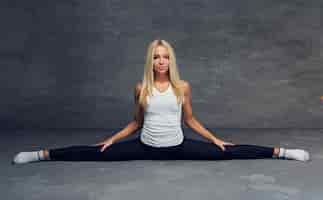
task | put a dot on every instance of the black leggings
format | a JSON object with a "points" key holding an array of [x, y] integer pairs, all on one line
{"points": [[136, 150]]}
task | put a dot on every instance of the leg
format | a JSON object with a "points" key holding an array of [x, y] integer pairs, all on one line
{"points": [[199, 150], [126, 150], [245, 151]]}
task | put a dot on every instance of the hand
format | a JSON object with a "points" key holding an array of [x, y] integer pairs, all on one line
{"points": [[105, 143], [221, 143]]}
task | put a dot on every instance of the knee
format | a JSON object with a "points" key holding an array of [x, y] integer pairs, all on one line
{"points": [[229, 150]]}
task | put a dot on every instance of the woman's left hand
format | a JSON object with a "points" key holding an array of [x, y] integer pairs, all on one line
{"points": [[221, 143]]}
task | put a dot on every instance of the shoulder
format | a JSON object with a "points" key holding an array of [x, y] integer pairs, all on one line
{"points": [[185, 85], [138, 87]]}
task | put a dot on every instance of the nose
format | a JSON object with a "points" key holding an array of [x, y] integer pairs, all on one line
{"points": [[161, 61]]}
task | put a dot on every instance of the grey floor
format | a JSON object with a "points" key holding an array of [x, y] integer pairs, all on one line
{"points": [[234, 179]]}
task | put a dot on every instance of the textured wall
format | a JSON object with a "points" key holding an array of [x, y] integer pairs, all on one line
{"points": [[73, 64]]}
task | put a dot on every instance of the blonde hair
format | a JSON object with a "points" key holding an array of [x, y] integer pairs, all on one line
{"points": [[148, 76]]}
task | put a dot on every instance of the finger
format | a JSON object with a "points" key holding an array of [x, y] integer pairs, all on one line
{"points": [[103, 148], [221, 146]]}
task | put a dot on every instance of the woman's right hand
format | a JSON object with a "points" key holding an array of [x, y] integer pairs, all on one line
{"points": [[105, 143]]}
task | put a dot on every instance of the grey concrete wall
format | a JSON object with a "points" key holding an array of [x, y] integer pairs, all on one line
{"points": [[73, 64]]}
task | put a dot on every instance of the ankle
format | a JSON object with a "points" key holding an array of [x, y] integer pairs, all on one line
{"points": [[276, 152], [46, 154]]}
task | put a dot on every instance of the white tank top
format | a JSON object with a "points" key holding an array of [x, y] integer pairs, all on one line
{"points": [[162, 120]]}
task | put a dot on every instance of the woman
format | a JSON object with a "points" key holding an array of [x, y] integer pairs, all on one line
{"points": [[159, 101]]}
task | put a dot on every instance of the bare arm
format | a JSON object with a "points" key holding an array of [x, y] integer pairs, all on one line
{"points": [[131, 127], [138, 118], [193, 123]]}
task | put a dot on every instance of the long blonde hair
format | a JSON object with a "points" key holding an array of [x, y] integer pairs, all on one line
{"points": [[148, 76]]}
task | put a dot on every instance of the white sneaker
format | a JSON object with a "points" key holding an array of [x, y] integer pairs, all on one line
{"points": [[25, 157], [297, 154]]}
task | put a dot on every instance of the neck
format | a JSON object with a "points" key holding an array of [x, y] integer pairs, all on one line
{"points": [[161, 78]]}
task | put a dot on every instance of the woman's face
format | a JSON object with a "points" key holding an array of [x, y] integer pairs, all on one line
{"points": [[161, 60]]}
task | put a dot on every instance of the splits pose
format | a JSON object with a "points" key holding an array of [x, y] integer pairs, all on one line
{"points": [[162, 102]]}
